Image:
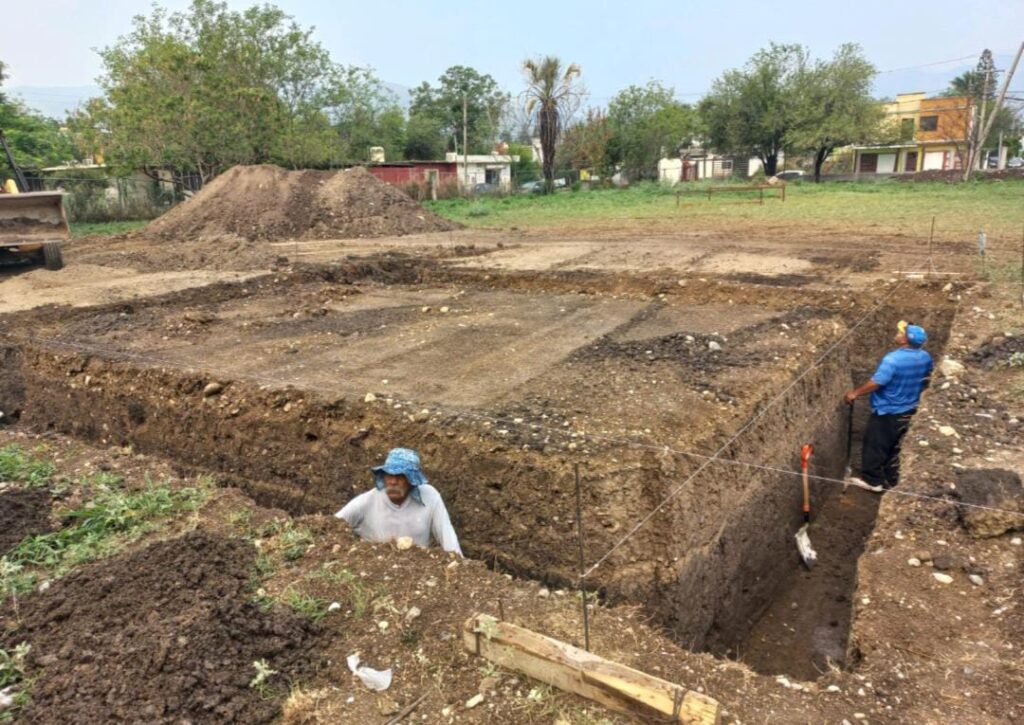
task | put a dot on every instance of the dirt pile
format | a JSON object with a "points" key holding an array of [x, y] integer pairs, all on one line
{"points": [[165, 634], [22, 513], [268, 203]]}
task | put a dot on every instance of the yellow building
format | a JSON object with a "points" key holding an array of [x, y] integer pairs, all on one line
{"points": [[933, 135]]}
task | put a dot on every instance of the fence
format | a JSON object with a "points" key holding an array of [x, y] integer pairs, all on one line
{"points": [[92, 198]]}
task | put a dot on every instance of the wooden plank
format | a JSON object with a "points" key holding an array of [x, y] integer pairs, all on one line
{"points": [[571, 669]]}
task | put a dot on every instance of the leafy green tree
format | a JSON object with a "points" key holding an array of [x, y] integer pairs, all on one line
{"points": [[527, 168], [751, 111], [436, 112], [35, 141], [364, 114], [552, 96], [585, 144], [425, 138], [834, 106], [208, 88], [647, 122]]}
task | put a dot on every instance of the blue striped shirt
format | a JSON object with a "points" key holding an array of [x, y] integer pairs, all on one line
{"points": [[902, 374]]}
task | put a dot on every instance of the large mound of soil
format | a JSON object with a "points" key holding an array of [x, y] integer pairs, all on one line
{"points": [[268, 203], [166, 634]]}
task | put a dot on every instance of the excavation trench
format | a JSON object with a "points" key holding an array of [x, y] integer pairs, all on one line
{"points": [[716, 565]]}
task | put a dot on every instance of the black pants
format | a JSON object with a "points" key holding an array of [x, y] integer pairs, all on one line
{"points": [[880, 456]]}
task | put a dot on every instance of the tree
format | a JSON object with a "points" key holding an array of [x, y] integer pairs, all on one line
{"points": [[551, 98], [525, 169], [751, 111], [834, 106], [36, 141], [437, 112], [208, 88], [585, 144], [364, 114], [424, 137], [647, 122], [979, 87]]}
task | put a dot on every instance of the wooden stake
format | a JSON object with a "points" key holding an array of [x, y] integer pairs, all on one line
{"points": [[571, 669], [931, 240], [583, 582]]}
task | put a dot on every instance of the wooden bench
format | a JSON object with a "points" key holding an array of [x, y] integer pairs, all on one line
{"points": [[759, 188]]}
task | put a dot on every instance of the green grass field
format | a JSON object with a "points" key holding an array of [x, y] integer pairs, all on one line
{"points": [[889, 206]]}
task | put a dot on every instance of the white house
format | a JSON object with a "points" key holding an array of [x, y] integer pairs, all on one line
{"points": [[495, 169], [697, 164]]}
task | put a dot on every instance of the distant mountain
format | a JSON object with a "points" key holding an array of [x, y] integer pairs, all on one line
{"points": [[53, 101], [58, 101]]}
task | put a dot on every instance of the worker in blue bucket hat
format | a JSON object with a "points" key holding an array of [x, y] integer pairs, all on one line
{"points": [[401, 505], [895, 389]]}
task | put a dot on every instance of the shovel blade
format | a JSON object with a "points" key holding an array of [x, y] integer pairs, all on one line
{"points": [[803, 545]]}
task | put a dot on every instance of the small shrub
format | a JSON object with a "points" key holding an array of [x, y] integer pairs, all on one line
{"points": [[309, 606], [478, 209]]}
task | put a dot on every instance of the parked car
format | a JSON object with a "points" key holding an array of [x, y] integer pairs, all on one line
{"points": [[532, 187], [1015, 163], [789, 175], [485, 189]]}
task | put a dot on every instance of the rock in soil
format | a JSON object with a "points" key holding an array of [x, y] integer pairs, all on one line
{"points": [[995, 488], [167, 634]]}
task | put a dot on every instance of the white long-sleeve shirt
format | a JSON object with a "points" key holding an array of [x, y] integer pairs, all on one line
{"points": [[374, 517]]}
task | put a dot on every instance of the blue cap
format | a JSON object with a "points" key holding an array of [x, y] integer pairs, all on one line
{"points": [[916, 335], [401, 462]]}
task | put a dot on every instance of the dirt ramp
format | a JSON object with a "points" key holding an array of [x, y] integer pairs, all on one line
{"points": [[268, 203], [164, 635]]}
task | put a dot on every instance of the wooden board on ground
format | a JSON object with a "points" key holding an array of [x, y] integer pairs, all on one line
{"points": [[569, 668]]}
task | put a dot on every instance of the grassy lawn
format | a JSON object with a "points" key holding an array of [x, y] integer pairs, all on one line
{"points": [[891, 206], [83, 229]]}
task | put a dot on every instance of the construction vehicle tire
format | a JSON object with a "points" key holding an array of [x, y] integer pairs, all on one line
{"points": [[53, 259]]}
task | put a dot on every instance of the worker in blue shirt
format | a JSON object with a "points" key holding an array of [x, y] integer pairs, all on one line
{"points": [[895, 389]]}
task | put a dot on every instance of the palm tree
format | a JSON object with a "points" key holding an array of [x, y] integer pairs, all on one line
{"points": [[551, 97]]}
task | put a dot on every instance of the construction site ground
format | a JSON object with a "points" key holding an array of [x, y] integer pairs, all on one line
{"points": [[266, 377]]}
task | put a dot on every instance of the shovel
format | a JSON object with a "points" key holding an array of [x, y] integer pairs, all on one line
{"points": [[803, 541]]}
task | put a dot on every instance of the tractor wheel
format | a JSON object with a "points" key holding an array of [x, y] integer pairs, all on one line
{"points": [[53, 259]]}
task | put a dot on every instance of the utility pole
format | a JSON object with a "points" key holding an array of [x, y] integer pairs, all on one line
{"points": [[465, 146], [984, 103], [987, 127]]}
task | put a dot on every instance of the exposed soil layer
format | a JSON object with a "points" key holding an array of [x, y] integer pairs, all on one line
{"points": [[166, 634], [268, 203], [23, 512]]}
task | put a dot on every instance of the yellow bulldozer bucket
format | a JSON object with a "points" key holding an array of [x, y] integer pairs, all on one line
{"points": [[33, 217], [32, 227]]}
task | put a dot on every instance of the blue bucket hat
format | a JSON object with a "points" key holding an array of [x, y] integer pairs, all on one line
{"points": [[401, 462]]}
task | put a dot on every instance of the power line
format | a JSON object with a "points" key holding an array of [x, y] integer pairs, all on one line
{"points": [[929, 65]]}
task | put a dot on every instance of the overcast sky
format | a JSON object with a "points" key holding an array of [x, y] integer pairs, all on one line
{"points": [[684, 43]]}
